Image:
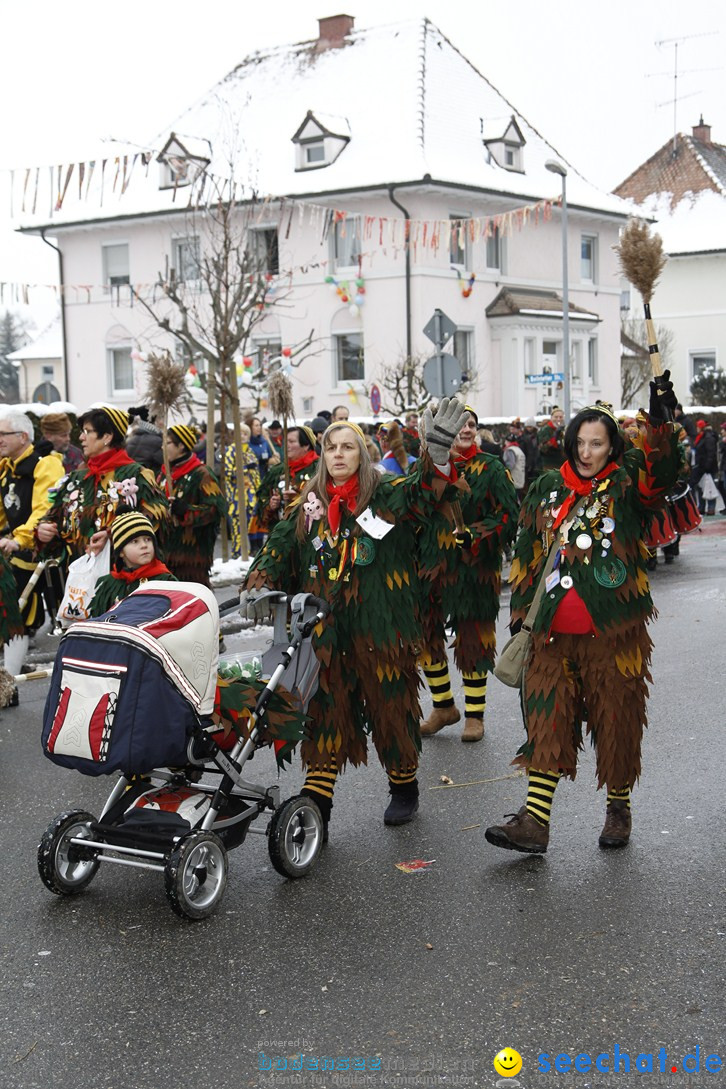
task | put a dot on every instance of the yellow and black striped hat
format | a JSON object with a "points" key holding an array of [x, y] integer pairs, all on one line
{"points": [[117, 416], [184, 434], [125, 527]]}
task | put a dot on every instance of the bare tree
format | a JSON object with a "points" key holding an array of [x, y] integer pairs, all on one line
{"points": [[404, 387], [635, 368]]}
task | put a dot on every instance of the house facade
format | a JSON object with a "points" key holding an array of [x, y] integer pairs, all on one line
{"points": [[683, 187], [368, 219]]}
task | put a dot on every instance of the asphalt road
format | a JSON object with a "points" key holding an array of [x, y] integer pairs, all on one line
{"points": [[421, 977]]}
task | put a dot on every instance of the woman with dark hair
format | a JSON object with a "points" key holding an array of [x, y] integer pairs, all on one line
{"points": [[302, 461], [590, 652], [85, 502], [350, 540]]}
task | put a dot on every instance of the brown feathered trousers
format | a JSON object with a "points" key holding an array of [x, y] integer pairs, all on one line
{"points": [[603, 679]]}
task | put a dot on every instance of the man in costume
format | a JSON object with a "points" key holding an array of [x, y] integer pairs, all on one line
{"points": [[196, 505], [550, 438], [590, 648], [350, 540], [25, 478], [460, 562], [302, 461]]}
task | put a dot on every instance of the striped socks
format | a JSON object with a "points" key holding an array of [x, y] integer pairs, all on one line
{"points": [[439, 681], [622, 795], [540, 793], [475, 694]]}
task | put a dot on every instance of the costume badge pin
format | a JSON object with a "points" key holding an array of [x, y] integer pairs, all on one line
{"points": [[566, 582], [608, 525], [583, 541], [612, 574], [365, 552]]}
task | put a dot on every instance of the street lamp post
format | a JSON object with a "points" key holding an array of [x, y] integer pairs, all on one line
{"points": [[556, 167], [19, 365]]}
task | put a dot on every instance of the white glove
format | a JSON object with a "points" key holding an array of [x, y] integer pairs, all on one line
{"points": [[256, 604], [441, 430]]}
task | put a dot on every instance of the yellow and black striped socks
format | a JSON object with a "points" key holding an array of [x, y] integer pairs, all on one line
{"points": [[475, 694], [622, 795], [439, 681], [403, 776], [540, 792], [321, 781]]}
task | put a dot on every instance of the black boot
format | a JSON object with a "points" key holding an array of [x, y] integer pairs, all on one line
{"points": [[403, 804], [325, 806]]}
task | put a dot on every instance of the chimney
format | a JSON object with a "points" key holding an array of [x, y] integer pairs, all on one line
{"points": [[702, 132], [333, 30]]}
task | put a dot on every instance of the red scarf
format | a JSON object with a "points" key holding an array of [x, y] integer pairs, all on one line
{"points": [[462, 456], [101, 464], [181, 468], [341, 495], [146, 571], [578, 486], [303, 461]]}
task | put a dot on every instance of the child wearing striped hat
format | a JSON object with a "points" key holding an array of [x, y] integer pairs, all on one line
{"points": [[135, 561]]}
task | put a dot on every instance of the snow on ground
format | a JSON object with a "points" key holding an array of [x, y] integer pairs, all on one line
{"points": [[226, 574]]}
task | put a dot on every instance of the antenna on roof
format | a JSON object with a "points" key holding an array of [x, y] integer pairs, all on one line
{"points": [[675, 42]]}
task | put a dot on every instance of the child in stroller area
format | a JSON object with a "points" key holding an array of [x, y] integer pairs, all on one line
{"points": [[135, 560]]}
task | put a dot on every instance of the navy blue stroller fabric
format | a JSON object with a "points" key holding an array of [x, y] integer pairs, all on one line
{"points": [[118, 700]]}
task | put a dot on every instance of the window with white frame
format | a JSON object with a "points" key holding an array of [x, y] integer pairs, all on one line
{"points": [[307, 405], [263, 249], [588, 258], [185, 259], [314, 152], [263, 349], [115, 265], [701, 361], [576, 361], [530, 356], [592, 361], [346, 243], [349, 359], [458, 241], [121, 369], [47, 372], [494, 254], [463, 351]]}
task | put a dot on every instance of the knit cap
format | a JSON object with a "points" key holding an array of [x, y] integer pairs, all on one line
{"points": [[126, 527], [184, 434]]}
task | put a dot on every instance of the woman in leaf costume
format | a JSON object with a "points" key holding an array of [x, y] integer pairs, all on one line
{"points": [[302, 460], [84, 503], [460, 557], [197, 506], [350, 540], [590, 647]]}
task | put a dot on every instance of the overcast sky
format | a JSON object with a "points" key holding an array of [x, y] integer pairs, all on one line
{"points": [[589, 75]]}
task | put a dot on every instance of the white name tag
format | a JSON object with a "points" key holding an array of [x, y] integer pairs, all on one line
{"points": [[373, 525], [552, 580]]}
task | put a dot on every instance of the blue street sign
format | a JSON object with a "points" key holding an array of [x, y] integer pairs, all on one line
{"points": [[544, 379]]}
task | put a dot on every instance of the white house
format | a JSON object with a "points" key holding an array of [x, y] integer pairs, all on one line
{"points": [[385, 177], [683, 187], [41, 375]]}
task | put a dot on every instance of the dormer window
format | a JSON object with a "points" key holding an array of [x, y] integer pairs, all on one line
{"points": [[506, 147], [319, 141], [183, 159]]}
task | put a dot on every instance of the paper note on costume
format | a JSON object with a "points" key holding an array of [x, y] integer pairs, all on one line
{"points": [[373, 525]]}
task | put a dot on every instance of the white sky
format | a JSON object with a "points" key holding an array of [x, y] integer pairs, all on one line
{"points": [[587, 73]]}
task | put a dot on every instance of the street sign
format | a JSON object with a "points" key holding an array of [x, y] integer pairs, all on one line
{"points": [[442, 375], [440, 329], [375, 399], [543, 379]]}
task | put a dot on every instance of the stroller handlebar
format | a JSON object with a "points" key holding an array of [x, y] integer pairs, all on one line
{"points": [[275, 597]]}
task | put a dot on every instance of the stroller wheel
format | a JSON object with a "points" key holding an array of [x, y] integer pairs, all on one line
{"points": [[195, 875], [295, 836], [64, 867]]}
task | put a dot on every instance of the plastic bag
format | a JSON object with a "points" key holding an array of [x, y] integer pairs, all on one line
{"points": [[83, 574], [240, 667]]}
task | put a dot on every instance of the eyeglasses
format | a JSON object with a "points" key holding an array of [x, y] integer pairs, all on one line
{"points": [[6, 434], [88, 431]]}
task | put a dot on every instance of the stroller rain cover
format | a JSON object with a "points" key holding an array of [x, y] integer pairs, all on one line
{"points": [[128, 687]]}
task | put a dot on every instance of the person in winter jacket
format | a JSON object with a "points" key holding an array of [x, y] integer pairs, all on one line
{"points": [[145, 440], [705, 467]]}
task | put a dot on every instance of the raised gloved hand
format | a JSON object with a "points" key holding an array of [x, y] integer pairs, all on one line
{"points": [[464, 539], [179, 507], [441, 430], [255, 604], [662, 395]]}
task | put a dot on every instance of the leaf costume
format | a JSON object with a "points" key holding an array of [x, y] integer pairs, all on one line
{"points": [[10, 622], [368, 682], [461, 586], [252, 483], [549, 440], [197, 508], [605, 668], [302, 470]]}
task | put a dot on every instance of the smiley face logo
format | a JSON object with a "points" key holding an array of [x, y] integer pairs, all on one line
{"points": [[508, 1062]]}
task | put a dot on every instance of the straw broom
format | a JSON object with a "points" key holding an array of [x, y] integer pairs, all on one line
{"points": [[279, 396], [642, 260], [166, 393]]}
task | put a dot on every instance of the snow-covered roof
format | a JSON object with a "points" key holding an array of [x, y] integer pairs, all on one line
{"points": [[47, 345], [697, 223], [415, 107]]}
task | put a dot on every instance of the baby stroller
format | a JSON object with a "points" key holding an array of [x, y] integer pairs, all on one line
{"points": [[133, 692]]}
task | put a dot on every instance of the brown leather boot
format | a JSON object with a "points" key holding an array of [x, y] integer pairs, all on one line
{"points": [[521, 833], [617, 827], [439, 717], [473, 729]]}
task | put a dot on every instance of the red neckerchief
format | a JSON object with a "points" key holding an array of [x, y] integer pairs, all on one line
{"points": [[101, 464], [181, 468], [146, 571], [303, 461], [463, 456], [578, 486], [698, 437], [341, 495]]}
